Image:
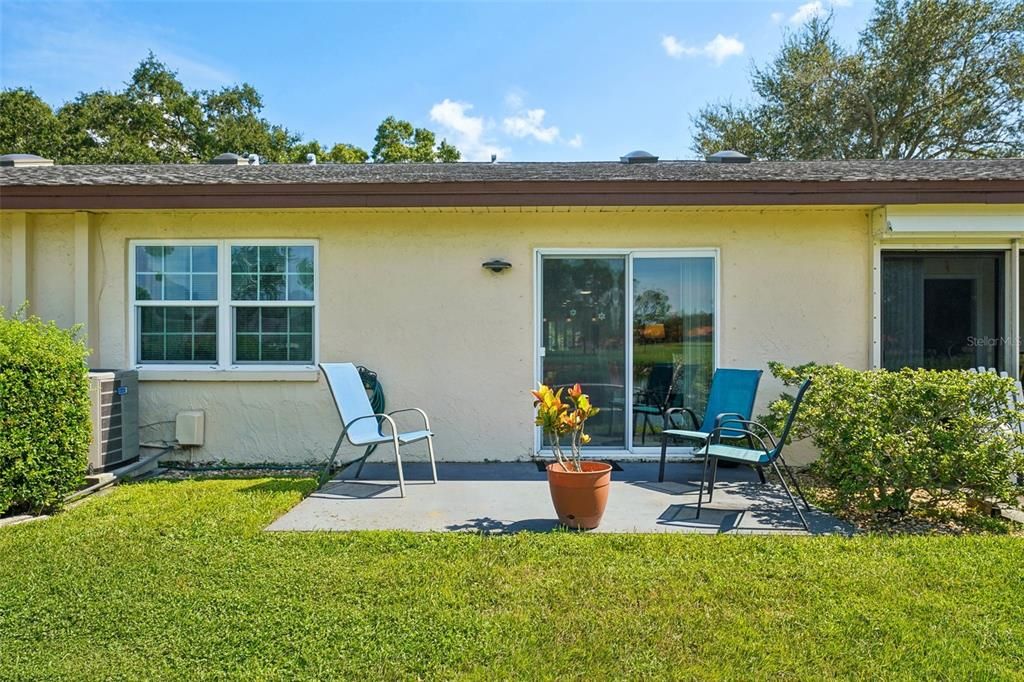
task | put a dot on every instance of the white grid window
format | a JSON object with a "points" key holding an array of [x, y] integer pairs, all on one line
{"points": [[224, 304]]}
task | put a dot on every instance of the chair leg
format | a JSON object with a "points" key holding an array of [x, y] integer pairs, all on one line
{"points": [[325, 473], [398, 461], [714, 477], [664, 456], [760, 474], [796, 483], [703, 477], [433, 465], [791, 498]]}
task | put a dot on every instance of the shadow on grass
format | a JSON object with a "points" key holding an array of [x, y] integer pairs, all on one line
{"points": [[488, 526]]}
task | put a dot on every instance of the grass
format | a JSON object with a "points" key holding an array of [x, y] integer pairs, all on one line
{"points": [[172, 580]]}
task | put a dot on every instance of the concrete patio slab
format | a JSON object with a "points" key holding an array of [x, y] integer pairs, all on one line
{"points": [[512, 497]]}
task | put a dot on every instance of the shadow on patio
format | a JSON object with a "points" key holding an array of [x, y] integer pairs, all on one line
{"points": [[499, 498]]}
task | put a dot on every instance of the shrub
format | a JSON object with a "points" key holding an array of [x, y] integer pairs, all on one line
{"points": [[44, 414], [885, 436]]}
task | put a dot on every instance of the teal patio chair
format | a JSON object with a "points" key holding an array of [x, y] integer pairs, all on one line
{"points": [[769, 454], [364, 428], [732, 394]]}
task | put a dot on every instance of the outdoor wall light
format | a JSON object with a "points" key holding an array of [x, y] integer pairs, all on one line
{"points": [[497, 265]]}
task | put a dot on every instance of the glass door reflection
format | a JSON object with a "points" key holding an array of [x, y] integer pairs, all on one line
{"points": [[583, 333], [673, 339]]}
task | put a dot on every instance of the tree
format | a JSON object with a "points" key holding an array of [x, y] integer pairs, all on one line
{"points": [[927, 79], [156, 119], [398, 141], [27, 124]]}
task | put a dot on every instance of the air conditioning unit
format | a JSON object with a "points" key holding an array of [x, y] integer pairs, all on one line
{"points": [[114, 397]]}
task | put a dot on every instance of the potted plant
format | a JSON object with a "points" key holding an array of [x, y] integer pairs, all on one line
{"points": [[579, 489]]}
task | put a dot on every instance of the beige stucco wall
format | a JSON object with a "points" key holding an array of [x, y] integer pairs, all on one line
{"points": [[403, 292]]}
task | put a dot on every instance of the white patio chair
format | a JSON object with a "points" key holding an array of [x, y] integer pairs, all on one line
{"points": [[364, 428]]}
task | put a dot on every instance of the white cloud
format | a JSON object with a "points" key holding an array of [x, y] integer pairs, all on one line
{"points": [[815, 8], [530, 124], [777, 17], [718, 49], [576, 142], [674, 48], [466, 132], [514, 100]]}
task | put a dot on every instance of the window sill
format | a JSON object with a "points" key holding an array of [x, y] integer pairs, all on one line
{"points": [[266, 373]]}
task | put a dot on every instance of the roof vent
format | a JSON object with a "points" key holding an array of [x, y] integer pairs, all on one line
{"points": [[639, 156], [727, 156], [24, 160], [311, 159], [254, 159], [229, 159]]}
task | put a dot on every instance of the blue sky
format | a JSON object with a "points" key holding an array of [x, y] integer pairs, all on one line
{"points": [[529, 81]]}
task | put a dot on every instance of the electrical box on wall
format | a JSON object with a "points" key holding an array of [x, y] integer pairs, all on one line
{"points": [[190, 427]]}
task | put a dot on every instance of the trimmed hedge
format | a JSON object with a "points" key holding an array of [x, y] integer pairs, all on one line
{"points": [[44, 414], [890, 440]]}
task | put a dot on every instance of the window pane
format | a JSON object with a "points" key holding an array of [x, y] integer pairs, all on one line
{"points": [[176, 287], [244, 259], [300, 259], [942, 310], [274, 348], [272, 259], [272, 288], [300, 287], [300, 348], [243, 287], [148, 288], [204, 287], [300, 320], [178, 320], [247, 348], [274, 320], [247, 320], [274, 334], [204, 320], [149, 258], [179, 348], [205, 347], [204, 259], [177, 334], [177, 259]]}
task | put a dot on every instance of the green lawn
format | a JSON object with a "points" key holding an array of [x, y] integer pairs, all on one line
{"points": [[176, 580]]}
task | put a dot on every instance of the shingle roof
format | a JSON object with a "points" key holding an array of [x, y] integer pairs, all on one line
{"points": [[416, 173]]}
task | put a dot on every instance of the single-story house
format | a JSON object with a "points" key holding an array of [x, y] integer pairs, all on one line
{"points": [[465, 284]]}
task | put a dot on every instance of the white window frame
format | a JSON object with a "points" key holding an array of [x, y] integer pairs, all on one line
{"points": [[225, 315], [631, 450], [1009, 248]]}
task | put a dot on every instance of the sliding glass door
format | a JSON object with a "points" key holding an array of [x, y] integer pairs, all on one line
{"points": [[636, 329], [583, 329]]}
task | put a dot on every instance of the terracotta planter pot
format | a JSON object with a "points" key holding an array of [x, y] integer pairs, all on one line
{"points": [[580, 496]]}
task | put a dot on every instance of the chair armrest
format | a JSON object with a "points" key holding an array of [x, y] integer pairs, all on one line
{"points": [[749, 423], [678, 410], [386, 417], [426, 422], [716, 433]]}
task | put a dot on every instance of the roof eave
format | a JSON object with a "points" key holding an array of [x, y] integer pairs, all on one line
{"points": [[520, 193]]}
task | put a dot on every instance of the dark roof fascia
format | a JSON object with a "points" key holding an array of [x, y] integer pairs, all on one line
{"points": [[518, 193]]}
